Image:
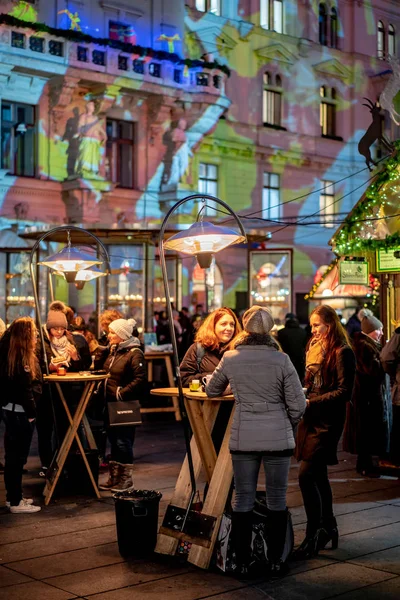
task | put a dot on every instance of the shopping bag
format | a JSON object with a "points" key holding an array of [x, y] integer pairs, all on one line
{"points": [[124, 413], [224, 554]]}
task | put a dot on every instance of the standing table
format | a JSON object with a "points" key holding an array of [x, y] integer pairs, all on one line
{"points": [[166, 356], [201, 529], [89, 380]]}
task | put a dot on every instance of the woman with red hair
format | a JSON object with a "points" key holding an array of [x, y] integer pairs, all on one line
{"points": [[330, 372], [210, 343]]}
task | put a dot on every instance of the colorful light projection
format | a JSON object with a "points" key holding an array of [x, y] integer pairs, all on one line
{"points": [[24, 11], [74, 19]]}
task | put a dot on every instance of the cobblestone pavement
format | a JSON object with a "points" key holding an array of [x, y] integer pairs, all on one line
{"points": [[69, 549]]}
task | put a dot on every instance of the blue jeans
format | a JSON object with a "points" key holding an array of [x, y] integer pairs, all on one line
{"points": [[246, 467]]}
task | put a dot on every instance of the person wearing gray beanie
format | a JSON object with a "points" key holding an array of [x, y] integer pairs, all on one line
{"points": [[258, 319], [125, 364], [269, 403], [371, 324], [123, 328], [368, 422]]}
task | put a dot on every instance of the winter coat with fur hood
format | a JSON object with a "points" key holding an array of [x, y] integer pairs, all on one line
{"points": [[269, 399]]}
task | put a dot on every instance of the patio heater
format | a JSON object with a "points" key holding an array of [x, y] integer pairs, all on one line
{"points": [[202, 240], [76, 266]]}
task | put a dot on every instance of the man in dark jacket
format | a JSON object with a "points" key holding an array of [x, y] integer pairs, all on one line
{"points": [[293, 341]]}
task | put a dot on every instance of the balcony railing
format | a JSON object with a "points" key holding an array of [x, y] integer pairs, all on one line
{"points": [[23, 45]]}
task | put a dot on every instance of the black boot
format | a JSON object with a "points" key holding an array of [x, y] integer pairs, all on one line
{"points": [[328, 533], [276, 537], [241, 541]]}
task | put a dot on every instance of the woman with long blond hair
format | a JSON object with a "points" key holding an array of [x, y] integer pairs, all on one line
{"points": [[210, 343], [330, 373], [20, 381]]}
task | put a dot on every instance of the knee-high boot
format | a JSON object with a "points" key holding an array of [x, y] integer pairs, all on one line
{"points": [[276, 537], [241, 540]]}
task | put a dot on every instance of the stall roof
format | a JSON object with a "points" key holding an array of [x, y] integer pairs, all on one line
{"points": [[374, 221], [329, 287], [130, 234]]}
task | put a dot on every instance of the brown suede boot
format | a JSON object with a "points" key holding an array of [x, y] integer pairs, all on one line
{"points": [[125, 478], [113, 476]]}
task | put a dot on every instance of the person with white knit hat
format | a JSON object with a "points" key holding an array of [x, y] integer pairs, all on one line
{"points": [[125, 364], [269, 403]]}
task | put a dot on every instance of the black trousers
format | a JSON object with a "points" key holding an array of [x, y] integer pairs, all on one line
{"points": [[317, 495], [17, 442]]}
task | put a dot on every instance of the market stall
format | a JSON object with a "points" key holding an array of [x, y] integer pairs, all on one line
{"points": [[330, 287], [371, 232]]}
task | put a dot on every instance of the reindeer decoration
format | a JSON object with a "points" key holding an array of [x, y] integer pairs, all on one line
{"points": [[373, 133]]}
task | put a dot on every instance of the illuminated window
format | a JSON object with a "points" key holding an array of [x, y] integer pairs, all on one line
{"points": [[119, 157], [271, 206], [334, 28], [327, 114], [271, 15], [391, 40], [208, 184], [18, 139], [272, 100], [323, 25], [380, 41], [212, 6], [327, 203]]}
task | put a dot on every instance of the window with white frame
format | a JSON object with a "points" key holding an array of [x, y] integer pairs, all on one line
{"points": [[212, 6], [272, 100], [391, 40], [18, 139], [327, 114], [271, 15], [381, 41], [271, 206], [327, 203], [208, 184]]}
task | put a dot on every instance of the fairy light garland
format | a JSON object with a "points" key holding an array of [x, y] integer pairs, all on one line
{"points": [[349, 240], [322, 278]]}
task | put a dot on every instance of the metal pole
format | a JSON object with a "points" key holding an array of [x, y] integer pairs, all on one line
{"points": [[185, 420]]}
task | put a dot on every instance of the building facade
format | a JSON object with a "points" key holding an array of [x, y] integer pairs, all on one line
{"points": [[117, 108]]}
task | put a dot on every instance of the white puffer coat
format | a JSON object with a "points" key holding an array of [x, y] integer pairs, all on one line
{"points": [[269, 399]]}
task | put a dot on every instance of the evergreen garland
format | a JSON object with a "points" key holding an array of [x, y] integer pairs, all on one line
{"points": [[84, 38], [347, 240]]}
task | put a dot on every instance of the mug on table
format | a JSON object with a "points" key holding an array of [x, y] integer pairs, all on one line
{"points": [[205, 381]]}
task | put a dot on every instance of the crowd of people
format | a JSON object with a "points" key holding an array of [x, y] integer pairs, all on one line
{"points": [[296, 393]]}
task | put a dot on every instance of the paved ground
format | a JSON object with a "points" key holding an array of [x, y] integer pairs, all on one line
{"points": [[69, 549]]}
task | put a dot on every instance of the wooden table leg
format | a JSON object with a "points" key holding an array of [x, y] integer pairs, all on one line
{"points": [[171, 381], [215, 502], [202, 435], [71, 434], [182, 492]]}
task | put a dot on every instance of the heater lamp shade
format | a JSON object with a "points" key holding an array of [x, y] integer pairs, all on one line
{"points": [[203, 237], [70, 259], [89, 274]]}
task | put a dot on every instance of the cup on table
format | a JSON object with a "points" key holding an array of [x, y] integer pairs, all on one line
{"points": [[205, 381], [194, 385], [61, 371]]}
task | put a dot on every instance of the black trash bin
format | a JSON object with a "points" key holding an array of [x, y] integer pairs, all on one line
{"points": [[136, 513]]}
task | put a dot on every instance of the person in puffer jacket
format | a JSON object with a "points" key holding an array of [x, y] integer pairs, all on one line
{"points": [[269, 403], [125, 363]]}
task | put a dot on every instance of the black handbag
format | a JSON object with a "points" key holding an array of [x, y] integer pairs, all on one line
{"points": [[124, 413]]}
